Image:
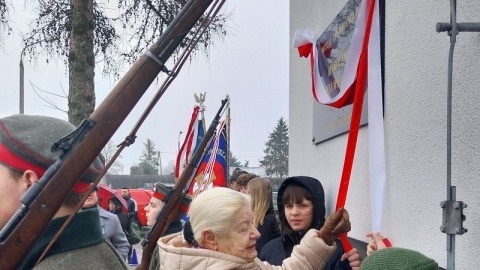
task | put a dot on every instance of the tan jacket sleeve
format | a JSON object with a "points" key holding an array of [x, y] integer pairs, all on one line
{"points": [[311, 253]]}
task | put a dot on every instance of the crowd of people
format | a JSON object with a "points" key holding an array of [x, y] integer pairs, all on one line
{"points": [[227, 228]]}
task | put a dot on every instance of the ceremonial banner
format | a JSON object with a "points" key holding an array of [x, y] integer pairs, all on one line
{"points": [[199, 134], [213, 169], [193, 138]]}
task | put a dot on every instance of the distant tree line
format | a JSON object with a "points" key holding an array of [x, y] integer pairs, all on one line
{"points": [[275, 160]]}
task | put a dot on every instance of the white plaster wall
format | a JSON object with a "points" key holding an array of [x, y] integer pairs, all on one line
{"points": [[415, 127]]}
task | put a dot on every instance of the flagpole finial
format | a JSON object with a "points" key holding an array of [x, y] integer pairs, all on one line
{"points": [[200, 99]]}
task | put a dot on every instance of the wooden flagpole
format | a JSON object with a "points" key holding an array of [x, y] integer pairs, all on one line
{"points": [[228, 141]]}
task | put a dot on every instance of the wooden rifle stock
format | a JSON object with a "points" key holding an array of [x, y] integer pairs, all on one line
{"points": [[32, 218], [175, 196]]}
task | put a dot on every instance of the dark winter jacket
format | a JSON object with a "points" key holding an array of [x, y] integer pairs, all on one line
{"points": [[124, 220], [132, 207], [281, 248], [270, 229]]}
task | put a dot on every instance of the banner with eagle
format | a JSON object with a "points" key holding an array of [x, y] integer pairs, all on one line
{"points": [[212, 172]]}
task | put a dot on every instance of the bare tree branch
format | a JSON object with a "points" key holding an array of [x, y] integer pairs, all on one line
{"points": [[47, 99], [146, 20]]}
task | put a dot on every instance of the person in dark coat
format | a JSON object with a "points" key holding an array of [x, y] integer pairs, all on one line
{"points": [[132, 209], [301, 206], [265, 220], [115, 207]]}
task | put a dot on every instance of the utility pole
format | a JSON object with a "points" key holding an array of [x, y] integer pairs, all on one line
{"points": [[22, 77], [160, 162], [178, 148], [22, 86]]}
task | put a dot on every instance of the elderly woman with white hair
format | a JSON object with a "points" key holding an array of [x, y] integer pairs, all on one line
{"points": [[223, 237]]}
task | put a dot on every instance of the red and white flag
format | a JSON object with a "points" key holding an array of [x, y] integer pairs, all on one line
{"points": [[334, 63], [376, 144], [336, 70], [193, 135]]}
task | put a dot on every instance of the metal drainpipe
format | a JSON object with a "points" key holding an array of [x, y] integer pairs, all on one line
{"points": [[452, 219]]}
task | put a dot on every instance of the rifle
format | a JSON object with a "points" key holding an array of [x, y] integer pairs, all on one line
{"points": [[44, 198], [175, 196]]}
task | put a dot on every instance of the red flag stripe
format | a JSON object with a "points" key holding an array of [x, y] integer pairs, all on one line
{"points": [[355, 122], [183, 153]]}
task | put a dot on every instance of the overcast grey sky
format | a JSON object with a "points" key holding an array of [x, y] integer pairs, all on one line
{"points": [[250, 65]]}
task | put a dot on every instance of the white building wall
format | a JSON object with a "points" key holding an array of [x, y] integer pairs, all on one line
{"points": [[415, 127]]}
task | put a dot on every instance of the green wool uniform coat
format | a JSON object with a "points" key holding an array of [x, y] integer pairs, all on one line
{"points": [[80, 246]]}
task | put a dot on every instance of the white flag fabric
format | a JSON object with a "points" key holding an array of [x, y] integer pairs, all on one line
{"points": [[308, 47], [376, 144]]}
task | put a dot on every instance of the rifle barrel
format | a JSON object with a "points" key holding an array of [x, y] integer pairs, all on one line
{"points": [[107, 118]]}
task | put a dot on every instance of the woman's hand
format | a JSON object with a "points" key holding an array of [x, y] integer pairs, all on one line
{"points": [[354, 258], [334, 225], [375, 243]]}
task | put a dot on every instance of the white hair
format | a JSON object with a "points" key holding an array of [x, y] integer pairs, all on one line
{"points": [[215, 210]]}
